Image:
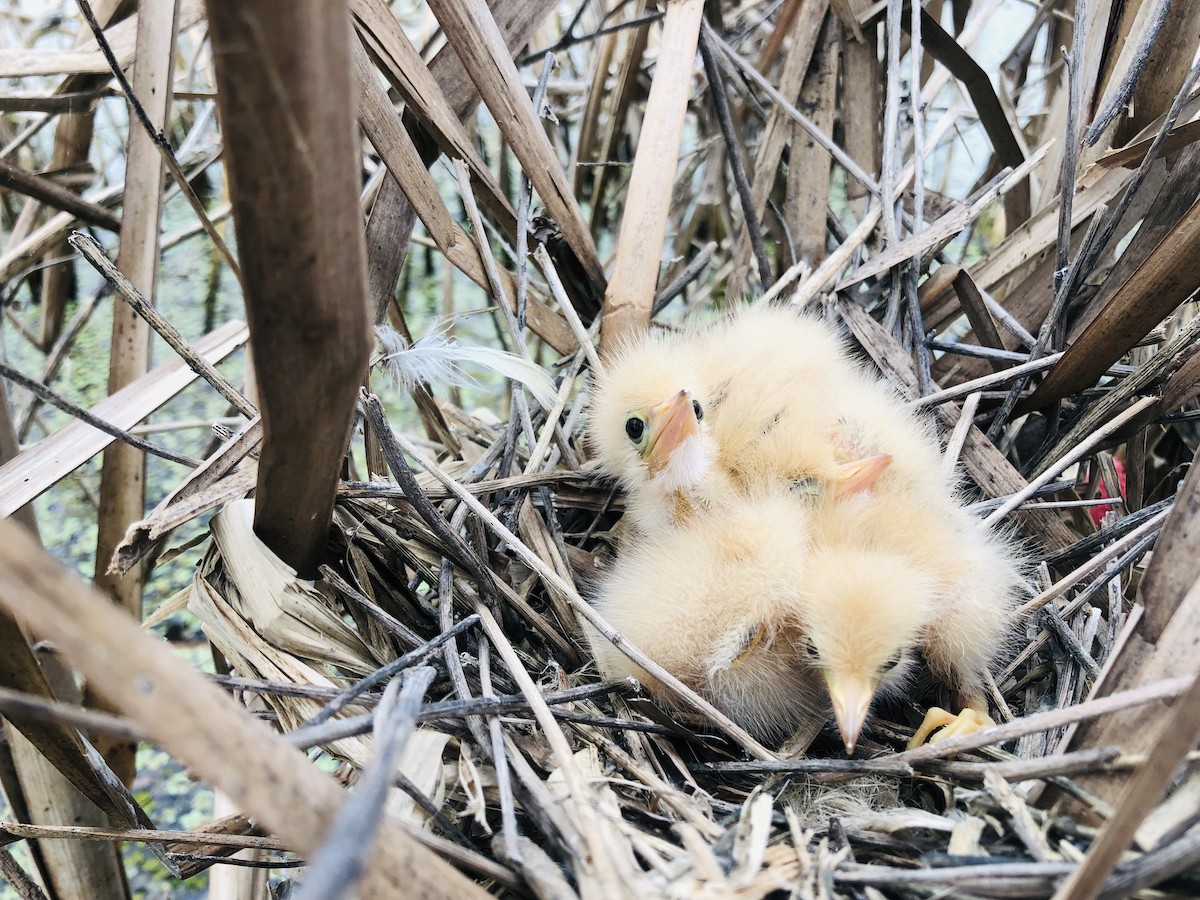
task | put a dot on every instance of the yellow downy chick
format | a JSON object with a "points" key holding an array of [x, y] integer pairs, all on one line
{"points": [[783, 407], [958, 618], [714, 601]]}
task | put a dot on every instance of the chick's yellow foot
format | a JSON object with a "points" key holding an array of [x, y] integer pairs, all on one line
{"points": [[966, 722]]}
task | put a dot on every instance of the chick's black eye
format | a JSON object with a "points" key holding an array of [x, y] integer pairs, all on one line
{"points": [[892, 661], [634, 427], [698, 410], [810, 648]]}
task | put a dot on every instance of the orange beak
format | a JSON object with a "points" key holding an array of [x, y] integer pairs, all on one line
{"points": [[851, 697], [670, 424], [861, 475]]}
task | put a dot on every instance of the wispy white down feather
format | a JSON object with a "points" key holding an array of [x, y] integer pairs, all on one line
{"points": [[686, 468], [437, 359]]}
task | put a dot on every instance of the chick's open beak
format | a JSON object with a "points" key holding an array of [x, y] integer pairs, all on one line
{"points": [[851, 696], [670, 424]]}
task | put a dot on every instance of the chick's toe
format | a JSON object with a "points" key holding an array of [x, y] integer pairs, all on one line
{"points": [[940, 724]]}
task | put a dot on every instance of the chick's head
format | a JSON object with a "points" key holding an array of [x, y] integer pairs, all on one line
{"points": [[864, 613], [646, 421]]}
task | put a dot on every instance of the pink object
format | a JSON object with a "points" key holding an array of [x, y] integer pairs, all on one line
{"points": [[1097, 512]]}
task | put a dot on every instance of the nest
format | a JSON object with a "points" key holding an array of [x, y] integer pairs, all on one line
{"points": [[523, 759]]}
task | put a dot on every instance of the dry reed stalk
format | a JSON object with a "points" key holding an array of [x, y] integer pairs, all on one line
{"points": [[473, 32], [143, 679], [122, 480], [630, 294], [305, 261]]}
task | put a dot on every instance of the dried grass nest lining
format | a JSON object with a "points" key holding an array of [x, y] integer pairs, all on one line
{"points": [[668, 801]]}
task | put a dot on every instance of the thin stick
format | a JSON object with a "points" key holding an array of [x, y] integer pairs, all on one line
{"points": [[1058, 308], [94, 254], [1119, 98], [446, 710], [891, 154], [564, 304], [523, 202], [12, 873], [733, 150], [508, 813], [985, 381], [579, 791], [689, 274], [20, 705], [388, 672], [1050, 719], [1066, 195], [798, 117], [338, 865], [1177, 735], [54, 399], [136, 835], [1152, 154], [828, 269], [966, 421], [393, 451]]}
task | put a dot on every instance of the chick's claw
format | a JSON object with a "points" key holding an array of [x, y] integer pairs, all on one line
{"points": [[951, 725]]}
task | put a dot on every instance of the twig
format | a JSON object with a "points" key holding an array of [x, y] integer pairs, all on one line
{"points": [[53, 194], [1072, 643], [960, 876], [985, 381], [45, 394], [1073, 456], [585, 610], [1143, 170], [891, 162], [18, 705], [1064, 287], [508, 814], [569, 40], [1153, 868], [1045, 721], [802, 120], [733, 150], [373, 412], [1177, 735], [523, 201], [1070, 160], [94, 254], [580, 792], [11, 871], [689, 274], [1118, 98], [966, 421]]}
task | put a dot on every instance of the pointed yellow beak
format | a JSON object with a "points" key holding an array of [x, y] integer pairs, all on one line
{"points": [[851, 696], [861, 475], [670, 425]]}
